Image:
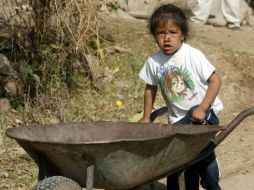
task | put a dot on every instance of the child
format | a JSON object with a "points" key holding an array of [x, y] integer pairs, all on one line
{"points": [[189, 84]]}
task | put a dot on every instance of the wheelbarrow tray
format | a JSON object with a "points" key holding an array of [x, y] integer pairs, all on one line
{"points": [[125, 155]]}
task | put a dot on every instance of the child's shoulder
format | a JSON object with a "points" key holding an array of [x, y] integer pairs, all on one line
{"points": [[193, 51]]}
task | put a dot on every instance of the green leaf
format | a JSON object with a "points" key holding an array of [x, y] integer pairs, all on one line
{"points": [[113, 6], [27, 71]]}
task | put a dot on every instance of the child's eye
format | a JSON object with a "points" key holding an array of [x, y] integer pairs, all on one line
{"points": [[161, 33], [170, 32]]}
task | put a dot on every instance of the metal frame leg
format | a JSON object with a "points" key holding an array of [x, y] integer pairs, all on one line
{"points": [[89, 174]]}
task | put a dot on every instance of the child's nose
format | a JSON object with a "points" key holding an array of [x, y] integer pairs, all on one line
{"points": [[167, 36]]}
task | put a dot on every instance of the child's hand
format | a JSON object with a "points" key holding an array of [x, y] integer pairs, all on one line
{"points": [[144, 120], [198, 115]]}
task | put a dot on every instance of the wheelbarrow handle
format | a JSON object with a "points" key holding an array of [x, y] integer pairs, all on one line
{"points": [[232, 125], [217, 139], [223, 134], [159, 112]]}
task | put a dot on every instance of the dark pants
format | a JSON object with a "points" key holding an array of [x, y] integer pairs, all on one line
{"points": [[206, 169]]}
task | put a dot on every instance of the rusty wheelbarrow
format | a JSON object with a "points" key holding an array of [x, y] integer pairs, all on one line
{"points": [[116, 155]]}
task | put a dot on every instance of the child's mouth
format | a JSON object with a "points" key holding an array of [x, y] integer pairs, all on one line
{"points": [[167, 46]]}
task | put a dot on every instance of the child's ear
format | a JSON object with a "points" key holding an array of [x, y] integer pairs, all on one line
{"points": [[182, 38]]}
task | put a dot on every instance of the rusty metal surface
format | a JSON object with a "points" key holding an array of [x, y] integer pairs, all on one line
{"points": [[125, 154], [100, 132]]}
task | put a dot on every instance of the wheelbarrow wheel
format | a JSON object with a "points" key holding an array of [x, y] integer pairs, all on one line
{"points": [[57, 183]]}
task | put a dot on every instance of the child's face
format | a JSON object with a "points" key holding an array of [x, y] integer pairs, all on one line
{"points": [[169, 37]]}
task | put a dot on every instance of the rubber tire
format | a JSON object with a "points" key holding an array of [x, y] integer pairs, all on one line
{"points": [[57, 183]]}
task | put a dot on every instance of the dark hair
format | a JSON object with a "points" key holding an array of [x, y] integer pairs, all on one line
{"points": [[166, 13]]}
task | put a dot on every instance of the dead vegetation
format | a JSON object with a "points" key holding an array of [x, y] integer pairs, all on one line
{"points": [[63, 53]]}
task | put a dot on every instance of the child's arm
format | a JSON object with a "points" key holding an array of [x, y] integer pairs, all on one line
{"points": [[149, 97], [214, 84]]}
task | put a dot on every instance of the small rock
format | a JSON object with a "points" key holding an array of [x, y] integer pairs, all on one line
{"points": [[11, 88], [18, 121], [53, 120], [4, 174], [4, 105], [5, 66]]}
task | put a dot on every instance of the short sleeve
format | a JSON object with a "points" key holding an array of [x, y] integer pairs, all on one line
{"points": [[202, 66], [148, 73]]}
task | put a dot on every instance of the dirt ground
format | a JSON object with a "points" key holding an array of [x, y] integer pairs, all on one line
{"points": [[232, 52]]}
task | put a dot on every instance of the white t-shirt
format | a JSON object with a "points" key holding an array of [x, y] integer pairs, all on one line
{"points": [[182, 78]]}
